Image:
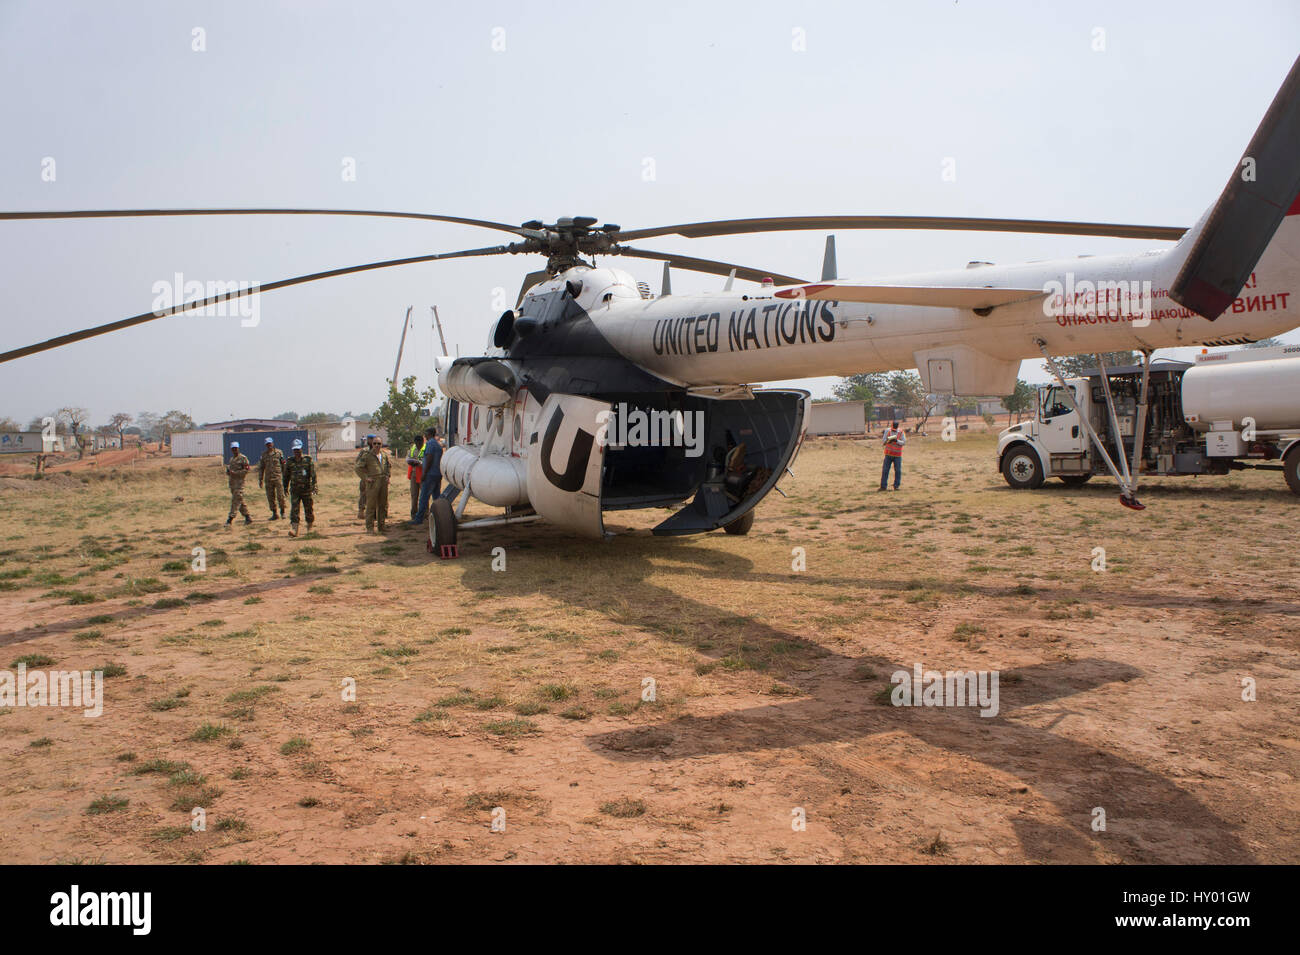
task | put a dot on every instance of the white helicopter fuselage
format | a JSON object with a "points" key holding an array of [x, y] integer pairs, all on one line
{"points": [[742, 338]]}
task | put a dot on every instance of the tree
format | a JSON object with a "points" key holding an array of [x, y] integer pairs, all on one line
{"points": [[286, 416], [119, 422], [1265, 343], [75, 416], [905, 389], [866, 388], [150, 425], [174, 421], [316, 417], [38, 424], [1020, 400], [400, 412], [1073, 366], [9, 424]]}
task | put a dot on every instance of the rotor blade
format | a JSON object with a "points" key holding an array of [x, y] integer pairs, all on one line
{"points": [[697, 230], [134, 213], [231, 295], [709, 266]]}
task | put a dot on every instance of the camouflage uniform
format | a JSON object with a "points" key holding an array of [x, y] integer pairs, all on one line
{"points": [[361, 486], [270, 474], [300, 480], [375, 468], [238, 469]]}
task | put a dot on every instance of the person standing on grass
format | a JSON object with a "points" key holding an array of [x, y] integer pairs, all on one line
{"points": [[236, 471], [893, 439], [415, 471], [300, 481], [431, 486], [270, 474]]}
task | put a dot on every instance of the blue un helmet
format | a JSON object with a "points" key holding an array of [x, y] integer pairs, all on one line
{"points": [[297, 444]]}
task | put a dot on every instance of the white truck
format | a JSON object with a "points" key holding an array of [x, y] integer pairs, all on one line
{"points": [[1224, 412]]}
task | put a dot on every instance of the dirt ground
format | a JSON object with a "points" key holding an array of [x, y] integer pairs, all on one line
{"points": [[520, 695]]}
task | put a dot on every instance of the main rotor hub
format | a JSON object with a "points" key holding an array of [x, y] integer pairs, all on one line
{"points": [[565, 240]]}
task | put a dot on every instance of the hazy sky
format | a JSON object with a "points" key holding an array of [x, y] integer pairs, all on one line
{"points": [[562, 121]]}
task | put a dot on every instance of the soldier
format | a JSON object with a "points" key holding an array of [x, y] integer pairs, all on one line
{"points": [[270, 472], [237, 470], [374, 467], [300, 481], [361, 484]]}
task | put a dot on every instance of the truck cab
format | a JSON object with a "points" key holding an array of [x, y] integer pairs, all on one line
{"points": [[1051, 443]]}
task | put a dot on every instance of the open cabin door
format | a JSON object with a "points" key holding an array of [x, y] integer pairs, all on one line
{"points": [[565, 463]]}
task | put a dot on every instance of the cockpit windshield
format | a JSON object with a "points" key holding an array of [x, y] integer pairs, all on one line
{"points": [[1055, 402]]}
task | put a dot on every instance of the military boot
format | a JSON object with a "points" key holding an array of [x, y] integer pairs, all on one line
{"points": [[229, 519], [274, 516], [293, 530], [309, 526], [248, 519]]}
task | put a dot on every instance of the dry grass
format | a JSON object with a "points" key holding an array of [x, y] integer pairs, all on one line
{"points": [[353, 682]]}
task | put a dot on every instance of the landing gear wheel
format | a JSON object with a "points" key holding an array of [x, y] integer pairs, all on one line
{"points": [[1022, 469], [1075, 480], [442, 525], [1292, 464], [740, 525], [1131, 503]]}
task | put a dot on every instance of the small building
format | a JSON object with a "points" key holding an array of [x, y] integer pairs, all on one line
{"points": [[32, 442], [991, 406], [838, 417]]}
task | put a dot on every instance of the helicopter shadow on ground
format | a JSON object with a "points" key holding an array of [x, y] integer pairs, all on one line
{"points": [[835, 706]]}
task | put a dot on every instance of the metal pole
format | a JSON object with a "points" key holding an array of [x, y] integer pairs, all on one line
{"points": [[1139, 436], [402, 344], [438, 322], [1083, 419]]}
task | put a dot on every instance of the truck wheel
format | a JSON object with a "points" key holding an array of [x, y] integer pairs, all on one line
{"points": [[742, 524], [1292, 464], [442, 524], [1075, 480], [1021, 467]]}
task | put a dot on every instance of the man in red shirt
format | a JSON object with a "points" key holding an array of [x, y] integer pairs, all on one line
{"points": [[893, 439]]}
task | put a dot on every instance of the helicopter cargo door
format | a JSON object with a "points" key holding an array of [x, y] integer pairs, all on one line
{"points": [[566, 457]]}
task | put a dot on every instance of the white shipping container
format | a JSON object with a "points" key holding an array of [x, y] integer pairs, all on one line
{"points": [[196, 444], [837, 417], [331, 437]]}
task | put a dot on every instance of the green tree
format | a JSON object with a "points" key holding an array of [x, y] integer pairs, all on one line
{"points": [[905, 389], [9, 424], [1020, 400], [400, 412], [174, 421], [316, 417]]}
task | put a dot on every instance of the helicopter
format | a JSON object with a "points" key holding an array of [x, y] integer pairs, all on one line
{"points": [[593, 395]]}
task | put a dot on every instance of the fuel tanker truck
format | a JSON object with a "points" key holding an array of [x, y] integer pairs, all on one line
{"points": [[1223, 412]]}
